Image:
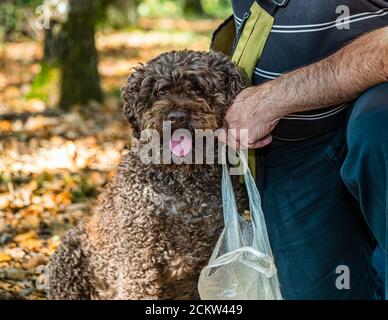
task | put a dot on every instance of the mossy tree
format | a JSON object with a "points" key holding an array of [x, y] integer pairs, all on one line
{"points": [[192, 7], [80, 81], [70, 52], [121, 13]]}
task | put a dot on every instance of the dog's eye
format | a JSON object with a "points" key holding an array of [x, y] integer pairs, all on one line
{"points": [[198, 92], [161, 93]]}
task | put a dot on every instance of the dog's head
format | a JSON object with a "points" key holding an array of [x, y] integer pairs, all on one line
{"points": [[190, 89]]}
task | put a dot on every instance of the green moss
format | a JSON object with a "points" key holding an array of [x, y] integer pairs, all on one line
{"points": [[45, 84], [42, 179], [83, 190], [115, 92], [169, 8]]}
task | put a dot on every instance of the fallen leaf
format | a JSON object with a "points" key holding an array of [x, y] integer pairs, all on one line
{"points": [[34, 262], [13, 274], [26, 236], [5, 257], [16, 253], [5, 125], [31, 244]]}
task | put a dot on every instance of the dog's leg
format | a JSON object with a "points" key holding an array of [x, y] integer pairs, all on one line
{"points": [[139, 284], [69, 277]]}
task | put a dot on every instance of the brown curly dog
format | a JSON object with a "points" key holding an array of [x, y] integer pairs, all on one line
{"points": [[155, 225]]}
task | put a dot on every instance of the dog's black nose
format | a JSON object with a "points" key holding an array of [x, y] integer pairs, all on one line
{"points": [[178, 117]]}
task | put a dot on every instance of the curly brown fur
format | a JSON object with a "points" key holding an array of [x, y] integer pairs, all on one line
{"points": [[154, 229]]}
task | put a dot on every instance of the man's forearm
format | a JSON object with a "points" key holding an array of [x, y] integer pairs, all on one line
{"points": [[340, 78], [337, 79]]}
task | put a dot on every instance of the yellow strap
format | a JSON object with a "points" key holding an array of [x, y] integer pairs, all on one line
{"points": [[249, 49], [252, 40]]}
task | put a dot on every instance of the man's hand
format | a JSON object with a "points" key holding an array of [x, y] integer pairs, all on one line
{"points": [[253, 109], [340, 78]]}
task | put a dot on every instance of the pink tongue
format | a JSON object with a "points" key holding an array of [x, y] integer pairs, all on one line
{"points": [[180, 144]]}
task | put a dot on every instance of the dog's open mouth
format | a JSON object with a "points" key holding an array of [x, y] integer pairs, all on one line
{"points": [[181, 144]]}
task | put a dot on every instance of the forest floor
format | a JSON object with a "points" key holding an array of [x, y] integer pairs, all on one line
{"points": [[53, 165]]}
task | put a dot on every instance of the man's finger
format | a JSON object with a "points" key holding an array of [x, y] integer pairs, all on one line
{"points": [[261, 143], [229, 138], [223, 136]]}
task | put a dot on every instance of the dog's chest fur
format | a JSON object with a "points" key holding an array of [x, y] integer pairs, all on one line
{"points": [[162, 226]]}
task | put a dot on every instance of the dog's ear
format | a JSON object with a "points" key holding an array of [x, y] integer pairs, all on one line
{"points": [[132, 102], [227, 74], [234, 81]]}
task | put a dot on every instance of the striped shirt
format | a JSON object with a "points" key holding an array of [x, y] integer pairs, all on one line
{"points": [[304, 32]]}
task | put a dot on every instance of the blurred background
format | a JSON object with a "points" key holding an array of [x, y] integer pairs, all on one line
{"points": [[62, 63]]}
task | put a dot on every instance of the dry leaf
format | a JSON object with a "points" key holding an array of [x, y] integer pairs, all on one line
{"points": [[25, 236], [34, 262], [5, 257]]}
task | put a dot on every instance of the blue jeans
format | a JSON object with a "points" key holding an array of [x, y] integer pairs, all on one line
{"points": [[326, 206]]}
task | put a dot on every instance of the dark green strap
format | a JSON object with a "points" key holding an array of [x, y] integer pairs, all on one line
{"points": [[223, 37], [246, 47], [270, 6]]}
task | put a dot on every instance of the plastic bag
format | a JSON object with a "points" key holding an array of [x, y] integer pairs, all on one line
{"points": [[242, 265]]}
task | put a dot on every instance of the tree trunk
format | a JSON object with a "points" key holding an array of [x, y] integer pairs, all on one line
{"points": [[192, 7], [132, 11], [80, 80], [122, 13], [50, 53]]}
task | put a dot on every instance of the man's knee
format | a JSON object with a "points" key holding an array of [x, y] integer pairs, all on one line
{"points": [[368, 123], [366, 162]]}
